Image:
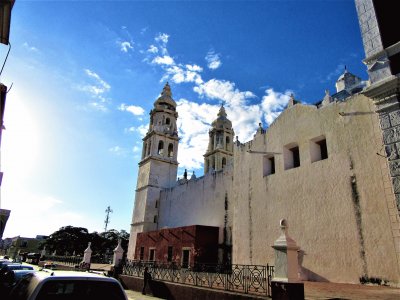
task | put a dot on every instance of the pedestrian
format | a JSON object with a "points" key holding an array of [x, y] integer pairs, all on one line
{"points": [[146, 279]]}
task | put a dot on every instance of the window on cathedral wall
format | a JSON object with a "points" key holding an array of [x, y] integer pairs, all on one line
{"points": [[170, 150], [291, 156], [141, 253], [318, 149], [152, 254], [149, 148], [168, 121], [160, 150], [170, 252], [268, 165], [155, 219], [227, 143], [223, 162]]}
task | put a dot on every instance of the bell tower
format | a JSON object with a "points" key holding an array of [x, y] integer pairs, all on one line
{"points": [[158, 166], [220, 146]]}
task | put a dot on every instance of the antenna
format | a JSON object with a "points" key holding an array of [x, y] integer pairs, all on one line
{"points": [[107, 220]]}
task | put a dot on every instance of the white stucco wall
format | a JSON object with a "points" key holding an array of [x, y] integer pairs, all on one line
{"points": [[198, 202], [319, 199]]}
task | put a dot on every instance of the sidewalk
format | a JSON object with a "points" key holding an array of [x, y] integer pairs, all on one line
{"points": [[325, 291], [344, 291], [132, 295]]}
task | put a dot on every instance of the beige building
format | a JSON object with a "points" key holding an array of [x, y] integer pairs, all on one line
{"points": [[331, 169]]}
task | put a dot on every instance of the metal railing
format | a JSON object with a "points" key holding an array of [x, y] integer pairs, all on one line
{"points": [[247, 279], [66, 260], [102, 259]]}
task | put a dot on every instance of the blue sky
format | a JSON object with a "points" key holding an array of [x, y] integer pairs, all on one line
{"points": [[85, 75]]}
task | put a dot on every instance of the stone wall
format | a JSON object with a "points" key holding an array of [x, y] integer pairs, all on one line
{"points": [[337, 208]]}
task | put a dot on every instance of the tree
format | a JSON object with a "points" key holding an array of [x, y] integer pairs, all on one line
{"points": [[71, 239], [67, 240]]}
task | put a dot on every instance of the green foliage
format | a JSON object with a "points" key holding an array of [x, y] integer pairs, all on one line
{"points": [[69, 239]]}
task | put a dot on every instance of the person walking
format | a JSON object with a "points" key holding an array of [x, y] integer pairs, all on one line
{"points": [[146, 279]]}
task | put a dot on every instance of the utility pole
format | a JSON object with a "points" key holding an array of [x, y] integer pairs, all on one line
{"points": [[107, 220]]}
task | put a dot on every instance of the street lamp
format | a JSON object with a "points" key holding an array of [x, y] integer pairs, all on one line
{"points": [[5, 19]]}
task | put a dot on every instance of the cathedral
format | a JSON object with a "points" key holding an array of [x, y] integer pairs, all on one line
{"points": [[331, 169]]}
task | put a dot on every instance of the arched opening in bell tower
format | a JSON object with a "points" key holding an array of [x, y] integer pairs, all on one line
{"points": [[160, 150], [170, 150]]}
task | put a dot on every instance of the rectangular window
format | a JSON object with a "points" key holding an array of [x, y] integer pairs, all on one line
{"points": [[318, 149], [170, 249], [141, 254], [185, 258], [269, 165], [152, 254], [291, 156]]}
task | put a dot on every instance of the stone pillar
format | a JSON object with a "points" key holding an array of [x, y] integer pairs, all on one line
{"points": [[43, 253], [87, 254], [286, 284], [118, 254]]}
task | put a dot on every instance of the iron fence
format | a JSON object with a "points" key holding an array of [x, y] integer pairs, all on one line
{"points": [[66, 260], [248, 279], [102, 259]]}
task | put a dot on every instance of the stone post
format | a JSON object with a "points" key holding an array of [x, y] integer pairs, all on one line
{"points": [[118, 253], [87, 254], [286, 284], [43, 253]]}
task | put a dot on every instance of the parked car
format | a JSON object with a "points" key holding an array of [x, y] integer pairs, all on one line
{"points": [[14, 266], [10, 278], [67, 285]]}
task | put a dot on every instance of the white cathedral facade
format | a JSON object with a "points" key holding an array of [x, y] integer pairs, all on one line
{"points": [[331, 169]]}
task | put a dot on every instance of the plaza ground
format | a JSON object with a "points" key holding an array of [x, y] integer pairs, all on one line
{"points": [[325, 291]]}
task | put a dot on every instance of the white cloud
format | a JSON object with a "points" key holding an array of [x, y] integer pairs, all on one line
{"points": [[98, 106], [136, 149], [126, 46], [30, 48], [141, 129], [152, 49], [179, 74], [162, 37], [100, 87], [213, 60], [133, 109], [273, 103], [223, 90], [117, 150], [163, 60]]}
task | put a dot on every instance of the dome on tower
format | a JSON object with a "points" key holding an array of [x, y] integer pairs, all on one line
{"points": [[165, 100], [222, 121]]}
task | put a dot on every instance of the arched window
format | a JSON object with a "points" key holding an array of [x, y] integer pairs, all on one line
{"points": [[149, 149], [223, 162], [227, 141], [160, 148], [170, 150], [155, 219], [167, 121]]}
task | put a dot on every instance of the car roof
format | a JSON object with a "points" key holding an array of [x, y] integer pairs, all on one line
{"points": [[76, 275]]}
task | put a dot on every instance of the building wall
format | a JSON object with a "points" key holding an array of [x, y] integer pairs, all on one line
{"points": [[202, 201], [336, 208], [201, 241]]}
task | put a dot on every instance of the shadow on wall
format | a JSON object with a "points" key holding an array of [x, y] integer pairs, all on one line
{"points": [[306, 274]]}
